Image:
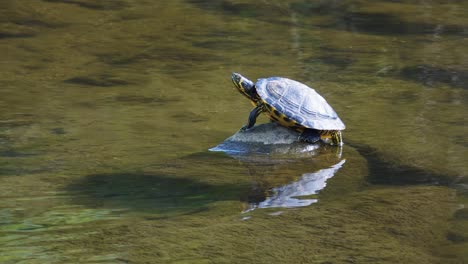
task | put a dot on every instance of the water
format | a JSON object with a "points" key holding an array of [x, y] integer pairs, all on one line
{"points": [[108, 109]]}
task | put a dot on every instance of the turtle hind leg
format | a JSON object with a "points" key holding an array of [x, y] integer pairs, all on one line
{"points": [[310, 136], [337, 139]]}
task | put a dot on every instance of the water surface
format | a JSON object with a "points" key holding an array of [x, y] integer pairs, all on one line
{"points": [[108, 109]]}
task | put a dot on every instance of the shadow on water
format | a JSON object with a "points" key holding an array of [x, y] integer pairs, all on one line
{"points": [[253, 10], [100, 80], [430, 76], [274, 13], [343, 13], [384, 172], [345, 17], [226, 7], [6, 35], [160, 194], [386, 24], [95, 5], [340, 61], [427, 75], [23, 21], [14, 163]]}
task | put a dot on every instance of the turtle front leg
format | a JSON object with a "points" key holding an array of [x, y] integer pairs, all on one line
{"points": [[252, 117]]}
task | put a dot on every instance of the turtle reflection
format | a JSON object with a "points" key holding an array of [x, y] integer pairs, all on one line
{"points": [[296, 193]]}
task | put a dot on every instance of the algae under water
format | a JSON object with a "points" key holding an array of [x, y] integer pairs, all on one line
{"points": [[108, 109]]}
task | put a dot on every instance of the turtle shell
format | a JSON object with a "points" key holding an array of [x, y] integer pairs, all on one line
{"points": [[298, 102]]}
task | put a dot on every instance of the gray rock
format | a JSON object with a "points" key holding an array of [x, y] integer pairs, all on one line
{"points": [[268, 138]]}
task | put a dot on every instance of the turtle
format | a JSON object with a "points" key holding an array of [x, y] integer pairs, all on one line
{"points": [[291, 104]]}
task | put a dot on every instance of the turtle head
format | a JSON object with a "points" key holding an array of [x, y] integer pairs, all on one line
{"points": [[244, 86]]}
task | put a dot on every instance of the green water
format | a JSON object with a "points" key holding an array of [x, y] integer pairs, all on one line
{"points": [[108, 109]]}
